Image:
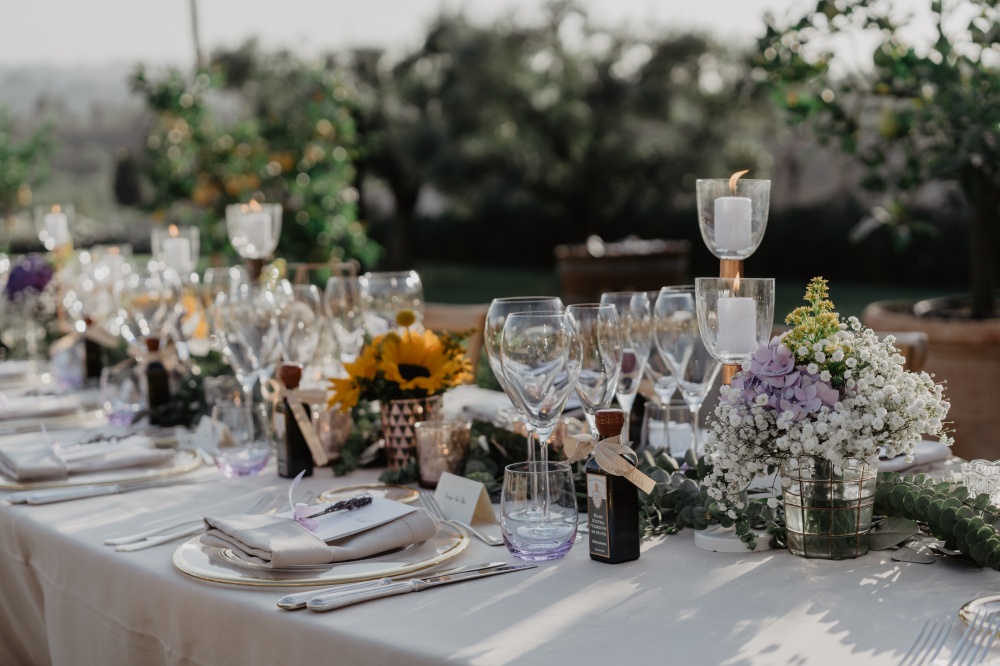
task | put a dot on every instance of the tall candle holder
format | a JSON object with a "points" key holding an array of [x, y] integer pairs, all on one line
{"points": [[177, 248], [735, 316], [254, 229], [732, 216]]}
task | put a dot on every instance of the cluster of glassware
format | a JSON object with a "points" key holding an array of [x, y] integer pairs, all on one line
{"points": [[541, 352]]}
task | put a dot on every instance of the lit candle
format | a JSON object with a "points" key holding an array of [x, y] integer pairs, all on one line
{"points": [[57, 226], [256, 227], [177, 251], [737, 324], [732, 220], [114, 262]]}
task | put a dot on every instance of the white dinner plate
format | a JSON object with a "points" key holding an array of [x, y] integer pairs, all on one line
{"points": [[182, 462], [216, 564]]}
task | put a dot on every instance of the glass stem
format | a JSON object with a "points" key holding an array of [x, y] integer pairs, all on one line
{"points": [[694, 427], [545, 477]]}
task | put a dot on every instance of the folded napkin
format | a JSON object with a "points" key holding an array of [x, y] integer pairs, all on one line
{"points": [[43, 462], [925, 453], [279, 542], [32, 406]]}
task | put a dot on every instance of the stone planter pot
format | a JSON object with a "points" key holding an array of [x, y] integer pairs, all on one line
{"points": [[966, 355]]}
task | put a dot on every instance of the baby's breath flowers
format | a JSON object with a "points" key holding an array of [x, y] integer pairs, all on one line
{"points": [[826, 388]]}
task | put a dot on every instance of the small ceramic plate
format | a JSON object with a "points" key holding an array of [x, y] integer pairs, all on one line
{"points": [[394, 492]]}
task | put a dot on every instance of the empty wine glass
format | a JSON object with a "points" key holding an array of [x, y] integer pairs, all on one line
{"points": [[636, 325], [144, 297], [496, 316], [300, 321], [657, 371], [600, 337], [246, 329], [541, 354], [385, 294], [345, 309], [675, 324]]}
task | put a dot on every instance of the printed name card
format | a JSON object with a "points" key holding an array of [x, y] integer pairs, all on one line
{"points": [[464, 500]]}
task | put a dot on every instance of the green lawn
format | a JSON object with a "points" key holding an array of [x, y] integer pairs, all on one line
{"points": [[452, 283]]}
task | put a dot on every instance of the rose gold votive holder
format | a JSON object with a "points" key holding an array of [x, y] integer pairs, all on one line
{"points": [[442, 446]]}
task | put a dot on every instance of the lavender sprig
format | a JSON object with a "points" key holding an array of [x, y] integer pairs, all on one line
{"points": [[348, 505]]}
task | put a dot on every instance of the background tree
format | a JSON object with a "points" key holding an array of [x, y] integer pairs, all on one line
{"points": [[917, 116], [23, 164]]}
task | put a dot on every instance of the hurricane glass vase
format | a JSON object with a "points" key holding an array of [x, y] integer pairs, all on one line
{"points": [[398, 420], [828, 514]]}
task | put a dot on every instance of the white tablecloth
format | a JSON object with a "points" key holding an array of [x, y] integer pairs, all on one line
{"points": [[66, 598]]}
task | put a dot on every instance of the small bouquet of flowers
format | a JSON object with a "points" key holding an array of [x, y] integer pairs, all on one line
{"points": [[402, 365], [826, 389], [29, 304]]}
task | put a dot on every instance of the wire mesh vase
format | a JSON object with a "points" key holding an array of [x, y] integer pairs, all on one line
{"points": [[828, 515], [398, 420]]}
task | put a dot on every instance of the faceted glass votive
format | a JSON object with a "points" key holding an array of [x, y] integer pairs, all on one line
{"points": [[441, 447], [983, 476], [733, 220]]}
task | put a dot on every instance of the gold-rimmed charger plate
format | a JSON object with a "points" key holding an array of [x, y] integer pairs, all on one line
{"points": [[969, 611], [215, 564], [390, 491], [183, 462]]}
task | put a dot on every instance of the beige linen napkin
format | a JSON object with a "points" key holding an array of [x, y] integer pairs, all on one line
{"points": [[41, 463], [281, 542], [36, 406]]}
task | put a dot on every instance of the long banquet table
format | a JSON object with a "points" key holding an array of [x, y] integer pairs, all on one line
{"points": [[66, 598]]}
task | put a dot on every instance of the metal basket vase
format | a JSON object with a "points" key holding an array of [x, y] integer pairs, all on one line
{"points": [[828, 515]]}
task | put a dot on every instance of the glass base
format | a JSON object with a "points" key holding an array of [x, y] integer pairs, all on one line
{"points": [[540, 551], [241, 465]]}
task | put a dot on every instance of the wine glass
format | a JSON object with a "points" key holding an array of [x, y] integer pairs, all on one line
{"points": [[636, 325], [345, 309], [385, 294], [496, 316], [541, 356], [248, 333], [601, 344], [675, 325], [300, 321], [144, 297]]}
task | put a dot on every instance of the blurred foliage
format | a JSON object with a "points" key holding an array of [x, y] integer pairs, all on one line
{"points": [[23, 164], [551, 132], [915, 116], [262, 126]]}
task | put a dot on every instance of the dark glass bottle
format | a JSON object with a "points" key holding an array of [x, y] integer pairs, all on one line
{"points": [[612, 503], [294, 455], [157, 381], [92, 361]]}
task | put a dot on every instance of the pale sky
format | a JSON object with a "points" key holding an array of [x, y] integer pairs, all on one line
{"points": [[97, 32]]}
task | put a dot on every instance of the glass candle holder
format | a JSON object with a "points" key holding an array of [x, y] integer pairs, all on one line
{"points": [[441, 447], [983, 476], [254, 228], [53, 224], [735, 316], [733, 220], [176, 247]]}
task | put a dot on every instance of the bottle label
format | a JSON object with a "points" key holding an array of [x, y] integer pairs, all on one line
{"points": [[597, 514], [279, 426]]}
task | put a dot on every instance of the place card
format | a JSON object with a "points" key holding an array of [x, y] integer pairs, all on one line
{"points": [[464, 500]]}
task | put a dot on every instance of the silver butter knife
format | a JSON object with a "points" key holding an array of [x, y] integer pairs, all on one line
{"points": [[300, 599], [52, 495], [328, 602]]}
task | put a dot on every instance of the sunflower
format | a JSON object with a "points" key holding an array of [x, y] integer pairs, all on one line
{"points": [[421, 361], [346, 391]]}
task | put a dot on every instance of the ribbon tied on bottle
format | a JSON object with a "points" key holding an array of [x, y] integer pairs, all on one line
{"points": [[608, 453], [276, 392]]}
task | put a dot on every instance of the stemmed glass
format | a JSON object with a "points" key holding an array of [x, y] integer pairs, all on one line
{"points": [[300, 321], [248, 333], [345, 309], [601, 345], [636, 325], [675, 324], [541, 355], [385, 294], [145, 298], [496, 317]]}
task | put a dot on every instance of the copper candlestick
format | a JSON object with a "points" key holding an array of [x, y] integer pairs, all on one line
{"points": [[730, 268], [254, 268]]}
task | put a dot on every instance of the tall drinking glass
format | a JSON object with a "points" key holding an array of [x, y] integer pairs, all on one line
{"points": [[636, 326], [675, 324], [299, 320], [247, 331], [601, 344], [385, 294], [345, 309], [496, 316], [530, 489]]}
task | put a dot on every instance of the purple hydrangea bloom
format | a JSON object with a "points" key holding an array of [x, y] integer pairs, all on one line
{"points": [[30, 272]]}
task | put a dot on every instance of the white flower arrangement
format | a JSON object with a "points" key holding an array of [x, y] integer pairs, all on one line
{"points": [[826, 389]]}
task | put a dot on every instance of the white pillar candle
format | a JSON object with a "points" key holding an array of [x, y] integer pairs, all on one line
{"points": [[177, 253], [57, 227], [732, 223], [257, 230], [737, 326]]}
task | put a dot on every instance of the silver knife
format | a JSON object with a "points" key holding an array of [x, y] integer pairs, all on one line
{"points": [[52, 495], [336, 600], [299, 599]]}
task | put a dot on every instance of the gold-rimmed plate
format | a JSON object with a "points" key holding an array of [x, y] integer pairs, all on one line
{"points": [[390, 491], [215, 564], [990, 604], [183, 462]]}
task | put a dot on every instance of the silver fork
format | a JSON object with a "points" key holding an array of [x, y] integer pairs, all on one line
{"points": [[141, 541], [977, 640], [433, 508], [928, 644]]}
